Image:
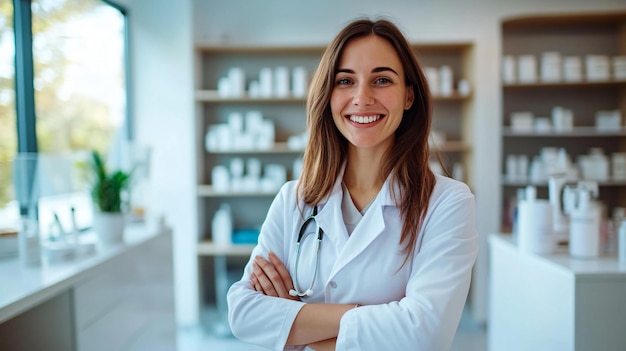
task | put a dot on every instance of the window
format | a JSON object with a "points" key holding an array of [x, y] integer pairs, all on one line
{"points": [[8, 132], [78, 54], [79, 91]]}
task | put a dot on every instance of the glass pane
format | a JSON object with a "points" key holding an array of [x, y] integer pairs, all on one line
{"points": [[78, 52], [8, 133], [80, 95]]}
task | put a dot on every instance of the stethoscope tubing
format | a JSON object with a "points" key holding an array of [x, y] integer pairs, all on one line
{"points": [[320, 234]]}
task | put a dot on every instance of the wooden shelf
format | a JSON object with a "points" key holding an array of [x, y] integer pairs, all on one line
{"points": [[209, 248], [509, 183], [582, 84], [205, 190], [575, 133], [451, 146], [213, 97], [279, 148], [576, 19]]}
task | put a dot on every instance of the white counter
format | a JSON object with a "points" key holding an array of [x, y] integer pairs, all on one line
{"points": [[554, 302], [95, 286]]}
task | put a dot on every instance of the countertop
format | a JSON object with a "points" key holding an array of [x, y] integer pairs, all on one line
{"points": [[581, 267], [23, 287]]}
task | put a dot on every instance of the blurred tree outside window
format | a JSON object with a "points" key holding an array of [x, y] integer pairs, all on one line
{"points": [[8, 131], [80, 94]]}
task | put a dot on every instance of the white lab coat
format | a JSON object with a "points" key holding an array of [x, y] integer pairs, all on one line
{"points": [[412, 307]]}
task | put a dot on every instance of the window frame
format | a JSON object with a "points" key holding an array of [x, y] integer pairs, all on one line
{"points": [[24, 83]]}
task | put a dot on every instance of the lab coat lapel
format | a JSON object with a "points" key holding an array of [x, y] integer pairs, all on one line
{"points": [[369, 228], [330, 219]]}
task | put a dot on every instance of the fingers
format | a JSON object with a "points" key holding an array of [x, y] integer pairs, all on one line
{"points": [[285, 277], [271, 277]]}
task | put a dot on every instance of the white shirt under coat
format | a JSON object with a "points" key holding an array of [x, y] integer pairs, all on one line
{"points": [[416, 306]]}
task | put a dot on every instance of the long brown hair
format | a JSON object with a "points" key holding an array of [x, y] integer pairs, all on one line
{"points": [[406, 160]]}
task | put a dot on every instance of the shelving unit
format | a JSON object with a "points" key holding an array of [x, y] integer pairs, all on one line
{"points": [[452, 115], [570, 35]]}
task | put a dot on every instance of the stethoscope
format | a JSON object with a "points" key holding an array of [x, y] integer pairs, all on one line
{"points": [[320, 233]]}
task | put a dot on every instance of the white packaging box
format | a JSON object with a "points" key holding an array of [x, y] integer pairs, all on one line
{"points": [[432, 76], [597, 67], [527, 69], [572, 69], [522, 121], [608, 120], [618, 166], [508, 69], [446, 81], [619, 67], [550, 68]]}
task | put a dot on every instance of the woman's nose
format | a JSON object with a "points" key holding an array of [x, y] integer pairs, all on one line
{"points": [[363, 95]]}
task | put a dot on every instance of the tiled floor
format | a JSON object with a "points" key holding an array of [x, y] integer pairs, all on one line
{"points": [[469, 337]]}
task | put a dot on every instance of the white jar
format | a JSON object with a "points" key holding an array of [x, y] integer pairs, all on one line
{"points": [[222, 226], [621, 242]]}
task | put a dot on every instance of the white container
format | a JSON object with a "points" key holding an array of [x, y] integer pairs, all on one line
{"points": [[584, 234], [508, 69], [222, 226], [550, 69], [299, 82], [281, 82], [597, 67], [432, 77], [535, 233], [29, 243], [619, 67], [621, 243], [237, 79], [265, 82], [527, 69], [446, 81], [572, 69]]}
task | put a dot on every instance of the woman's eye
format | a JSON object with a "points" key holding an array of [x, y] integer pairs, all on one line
{"points": [[383, 80], [343, 81]]}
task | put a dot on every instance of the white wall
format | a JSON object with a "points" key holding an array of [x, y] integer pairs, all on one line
{"points": [[162, 63], [163, 33]]}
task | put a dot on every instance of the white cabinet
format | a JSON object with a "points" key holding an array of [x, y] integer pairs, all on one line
{"points": [[554, 302], [120, 299]]}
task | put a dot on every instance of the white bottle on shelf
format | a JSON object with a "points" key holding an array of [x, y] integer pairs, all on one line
{"points": [[621, 242], [222, 226], [584, 239]]}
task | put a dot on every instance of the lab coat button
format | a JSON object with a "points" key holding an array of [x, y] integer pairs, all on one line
{"points": [[333, 284]]}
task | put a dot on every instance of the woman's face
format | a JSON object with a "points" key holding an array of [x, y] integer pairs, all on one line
{"points": [[369, 94]]}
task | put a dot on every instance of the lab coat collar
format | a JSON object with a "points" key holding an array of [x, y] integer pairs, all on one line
{"points": [[372, 224]]}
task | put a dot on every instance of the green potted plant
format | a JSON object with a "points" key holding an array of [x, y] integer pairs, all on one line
{"points": [[107, 192]]}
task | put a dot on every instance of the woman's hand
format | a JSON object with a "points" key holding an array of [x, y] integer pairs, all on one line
{"points": [[271, 277], [324, 345]]}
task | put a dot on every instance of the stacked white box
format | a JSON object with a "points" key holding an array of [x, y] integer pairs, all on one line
{"points": [[550, 68], [597, 67], [572, 69], [619, 67], [527, 69]]}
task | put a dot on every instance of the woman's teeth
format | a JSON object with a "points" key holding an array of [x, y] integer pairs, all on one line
{"points": [[364, 119]]}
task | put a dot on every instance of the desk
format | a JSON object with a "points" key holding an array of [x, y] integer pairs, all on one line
{"points": [[554, 302], [115, 299]]}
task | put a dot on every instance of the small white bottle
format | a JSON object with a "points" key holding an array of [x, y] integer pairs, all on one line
{"points": [[584, 234], [621, 242], [222, 226], [29, 243]]}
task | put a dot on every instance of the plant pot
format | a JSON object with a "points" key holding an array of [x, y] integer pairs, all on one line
{"points": [[109, 227]]}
